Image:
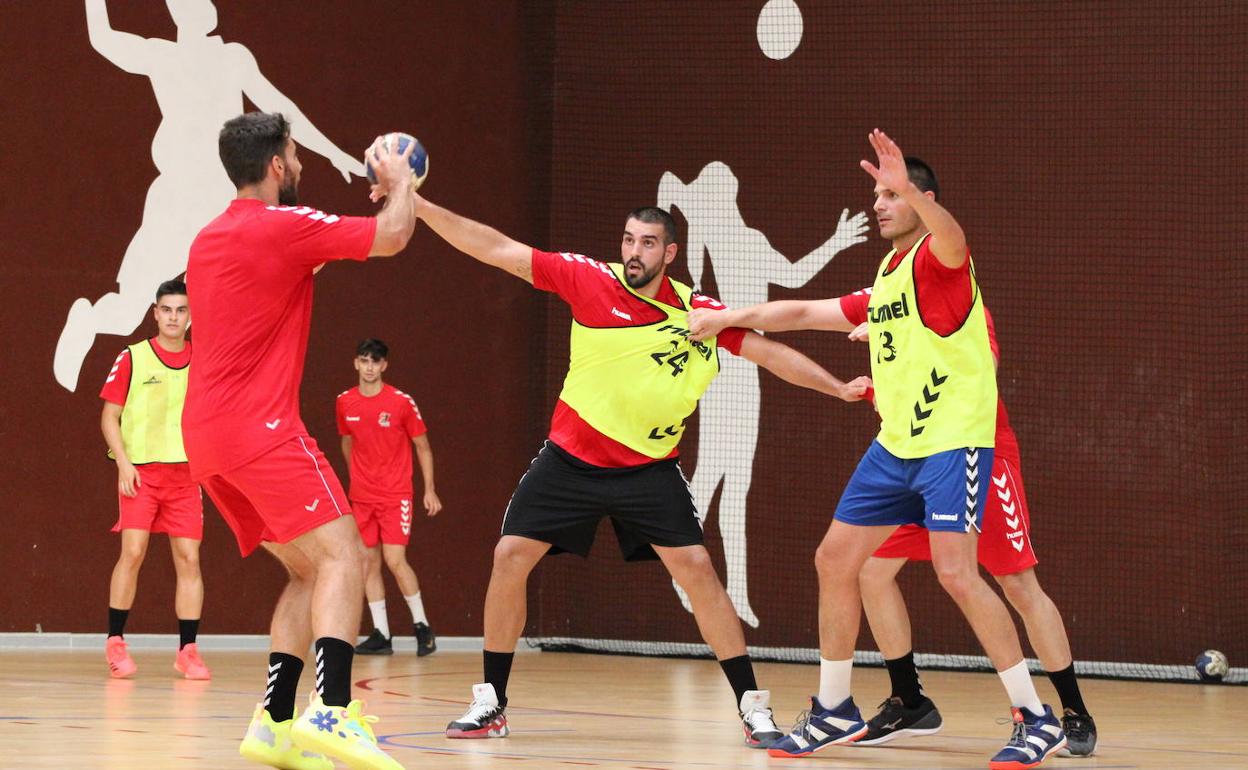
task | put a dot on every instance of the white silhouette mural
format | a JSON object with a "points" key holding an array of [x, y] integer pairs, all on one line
{"points": [[199, 81], [744, 264], [779, 29]]}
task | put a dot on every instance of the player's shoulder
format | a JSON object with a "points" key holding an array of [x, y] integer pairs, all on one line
{"points": [[296, 216], [347, 394], [863, 292], [572, 261], [400, 394]]}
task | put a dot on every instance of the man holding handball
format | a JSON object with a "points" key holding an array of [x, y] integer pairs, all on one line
{"points": [[250, 281]]}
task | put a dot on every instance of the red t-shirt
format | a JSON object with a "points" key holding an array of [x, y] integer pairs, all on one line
{"points": [[381, 428], [249, 280], [117, 387], [597, 298], [854, 306]]}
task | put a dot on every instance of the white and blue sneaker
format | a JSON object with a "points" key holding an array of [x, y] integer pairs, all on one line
{"points": [[1035, 737], [820, 728]]}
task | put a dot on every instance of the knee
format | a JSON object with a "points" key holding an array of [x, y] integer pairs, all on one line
{"points": [[872, 578], [132, 556], [510, 559], [186, 563], [957, 579], [1023, 596], [692, 565], [396, 564], [831, 565]]}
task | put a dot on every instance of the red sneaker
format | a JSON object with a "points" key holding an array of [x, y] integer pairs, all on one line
{"points": [[120, 664], [190, 664]]}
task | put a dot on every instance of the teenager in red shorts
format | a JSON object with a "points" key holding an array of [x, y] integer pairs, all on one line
{"points": [[143, 397], [380, 425], [250, 277]]}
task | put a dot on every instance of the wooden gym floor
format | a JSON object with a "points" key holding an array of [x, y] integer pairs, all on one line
{"points": [[569, 711]]}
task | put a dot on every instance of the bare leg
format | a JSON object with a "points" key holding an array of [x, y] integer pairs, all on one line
{"points": [[691, 568], [374, 587], [188, 601], [506, 600], [886, 607], [838, 560], [291, 629], [124, 583], [1043, 621], [395, 557], [955, 561], [334, 547]]}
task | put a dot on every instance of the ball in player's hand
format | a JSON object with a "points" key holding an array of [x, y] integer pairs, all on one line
{"points": [[419, 160], [1212, 666]]}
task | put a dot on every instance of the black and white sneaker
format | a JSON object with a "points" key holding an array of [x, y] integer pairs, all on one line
{"points": [[426, 642], [1080, 734], [375, 644], [757, 720], [484, 717], [895, 721]]}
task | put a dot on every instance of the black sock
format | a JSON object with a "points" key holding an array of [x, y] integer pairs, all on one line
{"points": [[497, 668], [1067, 687], [187, 631], [117, 621], [904, 676], [740, 673], [333, 670], [279, 698]]}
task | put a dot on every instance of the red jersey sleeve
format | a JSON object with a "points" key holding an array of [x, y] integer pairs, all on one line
{"points": [[854, 306], [730, 338], [117, 383], [571, 276], [340, 413], [414, 422], [313, 237]]}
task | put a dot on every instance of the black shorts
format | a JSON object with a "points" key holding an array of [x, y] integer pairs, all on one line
{"points": [[561, 499]]}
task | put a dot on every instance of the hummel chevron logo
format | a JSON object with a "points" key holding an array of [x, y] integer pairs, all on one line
{"points": [[999, 481], [930, 395], [273, 425], [312, 508], [1007, 508], [972, 489], [658, 433], [1012, 521]]}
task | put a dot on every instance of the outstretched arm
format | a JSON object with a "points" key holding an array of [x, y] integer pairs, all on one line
{"points": [[850, 231], [266, 96], [781, 316], [948, 242], [481, 242], [794, 367], [127, 51]]}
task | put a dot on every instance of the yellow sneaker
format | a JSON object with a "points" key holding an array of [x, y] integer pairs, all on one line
{"points": [[342, 733], [268, 743]]}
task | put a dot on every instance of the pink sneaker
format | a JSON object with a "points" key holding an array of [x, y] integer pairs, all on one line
{"points": [[120, 664], [190, 664]]}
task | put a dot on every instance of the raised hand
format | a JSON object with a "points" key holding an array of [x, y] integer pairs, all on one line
{"points": [[391, 167], [856, 389], [891, 173], [860, 333]]}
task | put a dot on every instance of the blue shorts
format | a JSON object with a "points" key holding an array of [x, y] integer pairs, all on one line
{"points": [[944, 492]]}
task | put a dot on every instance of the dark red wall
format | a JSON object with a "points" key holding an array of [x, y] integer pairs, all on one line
{"points": [[77, 164]]}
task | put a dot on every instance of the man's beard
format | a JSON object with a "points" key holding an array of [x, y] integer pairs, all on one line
{"points": [[643, 279], [288, 193]]}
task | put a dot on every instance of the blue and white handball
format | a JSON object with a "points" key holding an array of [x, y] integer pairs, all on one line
{"points": [[1212, 666], [419, 160]]}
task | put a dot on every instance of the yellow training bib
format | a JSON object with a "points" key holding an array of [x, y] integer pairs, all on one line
{"points": [[638, 384], [151, 420], [933, 393]]}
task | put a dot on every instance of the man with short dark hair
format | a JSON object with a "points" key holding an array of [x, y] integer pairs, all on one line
{"points": [[634, 379], [143, 396], [379, 425], [250, 278], [936, 392]]}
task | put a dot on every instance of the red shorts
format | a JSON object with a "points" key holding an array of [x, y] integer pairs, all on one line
{"points": [[177, 510], [1005, 540], [278, 496], [389, 522]]}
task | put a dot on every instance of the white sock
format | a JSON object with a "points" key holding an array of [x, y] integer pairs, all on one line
{"points": [[1018, 685], [834, 681], [380, 622], [417, 607]]}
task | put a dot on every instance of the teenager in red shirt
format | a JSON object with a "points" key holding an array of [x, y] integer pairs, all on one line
{"points": [[380, 425], [155, 492], [250, 278]]}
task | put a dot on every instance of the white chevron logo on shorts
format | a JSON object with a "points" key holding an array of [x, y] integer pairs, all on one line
{"points": [[273, 425], [312, 508]]}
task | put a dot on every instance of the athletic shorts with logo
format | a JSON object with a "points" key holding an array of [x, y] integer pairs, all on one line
{"points": [[561, 499], [278, 496], [388, 522], [944, 492], [1005, 542], [176, 510]]}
